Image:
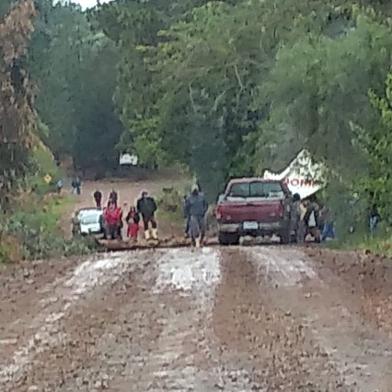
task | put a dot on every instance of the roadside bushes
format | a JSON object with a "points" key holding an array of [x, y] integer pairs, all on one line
{"points": [[34, 233], [171, 200]]}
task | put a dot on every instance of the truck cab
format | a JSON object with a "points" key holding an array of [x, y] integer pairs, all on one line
{"points": [[256, 207]]}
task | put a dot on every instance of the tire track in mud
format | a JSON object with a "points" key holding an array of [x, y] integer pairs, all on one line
{"points": [[185, 284], [43, 332], [261, 346], [329, 311]]}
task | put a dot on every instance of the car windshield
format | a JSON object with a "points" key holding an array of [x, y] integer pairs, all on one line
{"points": [[89, 217], [257, 189]]}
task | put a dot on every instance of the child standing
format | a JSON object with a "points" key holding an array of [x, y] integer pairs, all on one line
{"points": [[133, 220]]}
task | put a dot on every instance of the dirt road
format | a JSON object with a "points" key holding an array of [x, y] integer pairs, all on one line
{"points": [[217, 319]]}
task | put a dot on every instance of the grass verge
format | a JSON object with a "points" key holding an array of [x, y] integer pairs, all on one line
{"points": [[379, 244], [33, 232]]}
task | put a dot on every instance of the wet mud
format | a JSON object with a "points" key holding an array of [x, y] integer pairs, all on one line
{"points": [[263, 318]]}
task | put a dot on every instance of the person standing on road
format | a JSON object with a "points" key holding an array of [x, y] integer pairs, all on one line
{"points": [[187, 218], [311, 219], [327, 227], [73, 185], [296, 219], [132, 220], [196, 207], [113, 221], [113, 196], [146, 206], [78, 185], [98, 198]]}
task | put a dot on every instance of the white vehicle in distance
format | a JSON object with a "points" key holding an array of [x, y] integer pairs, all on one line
{"points": [[87, 221]]}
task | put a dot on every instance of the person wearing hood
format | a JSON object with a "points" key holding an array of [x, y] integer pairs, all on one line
{"points": [[196, 207], [146, 207]]}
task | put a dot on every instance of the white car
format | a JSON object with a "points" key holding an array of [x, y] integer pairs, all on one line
{"points": [[88, 221]]}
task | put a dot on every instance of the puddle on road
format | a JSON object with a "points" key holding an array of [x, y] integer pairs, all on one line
{"points": [[91, 273], [188, 270], [185, 284]]}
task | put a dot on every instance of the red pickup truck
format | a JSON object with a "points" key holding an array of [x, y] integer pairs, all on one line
{"points": [[256, 207]]}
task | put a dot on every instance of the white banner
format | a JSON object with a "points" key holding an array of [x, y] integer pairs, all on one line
{"points": [[302, 176]]}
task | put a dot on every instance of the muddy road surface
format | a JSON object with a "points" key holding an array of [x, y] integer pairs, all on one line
{"points": [[265, 318]]}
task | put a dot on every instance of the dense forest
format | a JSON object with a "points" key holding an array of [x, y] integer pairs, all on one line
{"points": [[222, 87]]}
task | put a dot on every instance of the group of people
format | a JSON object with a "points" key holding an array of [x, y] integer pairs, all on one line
{"points": [[76, 185], [308, 217], [311, 217], [195, 209], [113, 216]]}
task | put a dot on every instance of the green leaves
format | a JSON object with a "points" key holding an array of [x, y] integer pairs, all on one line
{"points": [[376, 143], [17, 115], [74, 66], [230, 88], [319, 85]]}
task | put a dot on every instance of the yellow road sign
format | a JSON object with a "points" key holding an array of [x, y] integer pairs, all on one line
{"points": [[48, 178]]}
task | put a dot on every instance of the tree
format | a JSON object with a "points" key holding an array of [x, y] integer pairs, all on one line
{"points": [[376, 144], [328, 91], [17, 115], [229, 88], [75, 67]]}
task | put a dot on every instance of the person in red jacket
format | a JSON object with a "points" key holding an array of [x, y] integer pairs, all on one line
{"points": [[113, 220], [133, 220]]}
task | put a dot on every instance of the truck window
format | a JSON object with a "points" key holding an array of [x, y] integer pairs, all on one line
{"points": [[266, 189], [239, 190], [257, 189]]}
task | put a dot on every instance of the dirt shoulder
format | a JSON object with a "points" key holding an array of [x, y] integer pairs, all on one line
{"points": [[368, 277]]}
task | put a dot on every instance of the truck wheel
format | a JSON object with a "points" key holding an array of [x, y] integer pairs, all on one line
{"points": [[228, 238]]}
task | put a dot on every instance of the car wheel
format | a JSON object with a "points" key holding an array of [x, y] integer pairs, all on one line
{"points": [[228, 239]]}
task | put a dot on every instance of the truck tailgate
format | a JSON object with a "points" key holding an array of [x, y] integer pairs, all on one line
{"points": [[246, 210]]}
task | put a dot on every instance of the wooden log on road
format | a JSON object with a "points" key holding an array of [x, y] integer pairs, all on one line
{"points": [[119, 245]]}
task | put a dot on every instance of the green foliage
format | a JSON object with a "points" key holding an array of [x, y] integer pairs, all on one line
{"points": [[232, 88], [171, 200], [74, 67], [376, 144], [17, 115], [41, 165], [328, 92], [35, 231], [222, 87]]}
